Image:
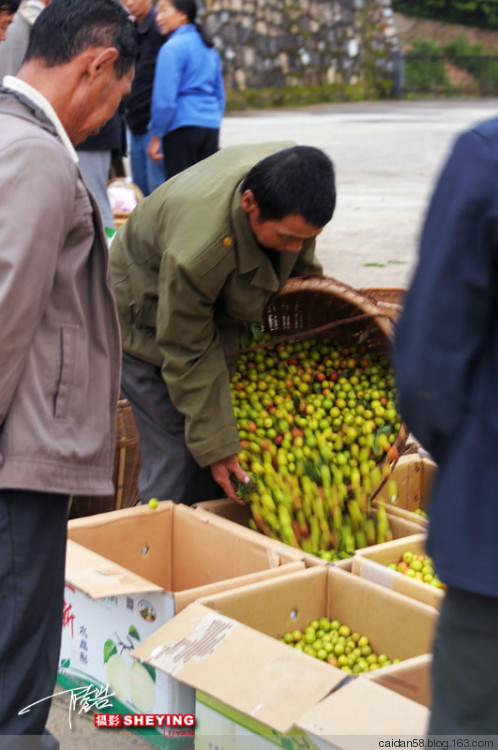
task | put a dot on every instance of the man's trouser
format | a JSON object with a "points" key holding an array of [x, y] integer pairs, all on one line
{"points": [[32, 557], [465, 666], [168, 471]]}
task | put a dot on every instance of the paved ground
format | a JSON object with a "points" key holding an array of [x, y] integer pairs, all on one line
{"points": [[386, 157]]}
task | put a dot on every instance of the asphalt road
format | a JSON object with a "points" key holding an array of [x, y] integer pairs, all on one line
{"points": [[386, 155]]}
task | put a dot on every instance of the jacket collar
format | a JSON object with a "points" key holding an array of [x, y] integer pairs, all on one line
{"points": [[40, 107], [148, 22], [252, 257], [185, 29]]}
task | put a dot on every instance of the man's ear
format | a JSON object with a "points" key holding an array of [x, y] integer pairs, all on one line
{"points": [[248, 201], [102, 60]]}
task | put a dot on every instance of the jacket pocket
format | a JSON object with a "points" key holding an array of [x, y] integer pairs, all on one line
{"points": [[68, 342]]}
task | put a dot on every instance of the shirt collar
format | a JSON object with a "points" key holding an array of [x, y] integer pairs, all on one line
{"points": [[250, 254], [16, 84]]}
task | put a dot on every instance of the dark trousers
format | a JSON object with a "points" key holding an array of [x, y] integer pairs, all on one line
{"points": [[186, 146], [32, 557], [169, 471], [465, 666]]}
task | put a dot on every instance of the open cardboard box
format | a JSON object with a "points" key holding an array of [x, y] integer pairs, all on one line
{"points": [[371, 564], [225, 511], [414, 475], [411, 678], [247, 681], [127, 573], [359, 708]]}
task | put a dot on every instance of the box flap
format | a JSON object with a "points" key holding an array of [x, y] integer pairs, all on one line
{"points": [[411, 679], [251, 672], [357, 709], [98, 577]]}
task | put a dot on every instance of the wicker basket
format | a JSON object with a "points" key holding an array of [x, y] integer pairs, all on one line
{"points": [[309, 304], [127, 464], [390, 299]]}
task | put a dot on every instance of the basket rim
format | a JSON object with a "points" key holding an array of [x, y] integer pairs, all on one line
{"points": [[348, 293]]}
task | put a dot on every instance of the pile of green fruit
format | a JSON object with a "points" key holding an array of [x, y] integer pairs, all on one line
{"points": [[317, 423], [418, 567], [336, 644]]}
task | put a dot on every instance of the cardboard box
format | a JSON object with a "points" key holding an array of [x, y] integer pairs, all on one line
{"points": [[227, 511], [414, 474], [248, 682], [361, 708], [130, 571], [411, 678], [371, 564]]}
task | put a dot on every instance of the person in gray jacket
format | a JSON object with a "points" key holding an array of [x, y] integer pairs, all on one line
{"points": [[13, 50], [7, 10], [59, 337]]}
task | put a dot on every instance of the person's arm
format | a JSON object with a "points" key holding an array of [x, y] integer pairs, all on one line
{"points": [[220, 88], [33, 224], [445, 326], [195, 370], [167, 77]]}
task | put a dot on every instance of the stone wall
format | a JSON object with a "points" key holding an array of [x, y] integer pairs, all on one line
{"points": [[268, 43]]}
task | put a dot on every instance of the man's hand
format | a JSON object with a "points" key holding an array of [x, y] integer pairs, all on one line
{"points": [[154, 149], [221, 471]]}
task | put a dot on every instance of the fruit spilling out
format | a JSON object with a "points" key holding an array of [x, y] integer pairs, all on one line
{"points": [[418, 567], [334, 643], [317, 423]]}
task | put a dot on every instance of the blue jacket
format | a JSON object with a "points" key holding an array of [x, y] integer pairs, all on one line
{"points": [[188, 85], [446, 360]]}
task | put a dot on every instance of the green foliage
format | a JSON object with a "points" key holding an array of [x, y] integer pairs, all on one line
{"points": [[292, 96], [467, 12], [461, 46], [424, 67], [470, 57]]}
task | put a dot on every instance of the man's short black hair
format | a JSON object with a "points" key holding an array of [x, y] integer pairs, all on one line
{"points": [[297, 180], [9, 6], [65, 28]]}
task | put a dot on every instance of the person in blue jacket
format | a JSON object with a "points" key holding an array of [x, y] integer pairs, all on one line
{"points": [[188, 97], [446, 361]]}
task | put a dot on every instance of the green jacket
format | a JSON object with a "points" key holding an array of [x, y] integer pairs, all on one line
{"points": [[187, 273]]}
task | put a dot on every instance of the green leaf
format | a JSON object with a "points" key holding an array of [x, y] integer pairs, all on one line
{"points": [[245, 339], [65, 663], [256, 332], [376, 264], [110, 649], [396, 261], [150, 669], [133, 632], [296, 401]]}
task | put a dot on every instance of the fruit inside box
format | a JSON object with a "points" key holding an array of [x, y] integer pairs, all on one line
{"points": [[333, 642], [319, 430], [420, 567]]}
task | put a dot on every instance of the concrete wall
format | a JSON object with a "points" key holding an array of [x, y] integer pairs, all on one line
{"points": [[300, 42]]}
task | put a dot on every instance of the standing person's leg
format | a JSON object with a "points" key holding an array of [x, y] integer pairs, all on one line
{"points": [[168, 472], [94, 166], [465, 665], [32, 557], [138, 163], [181, 149], [210, 143]]}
